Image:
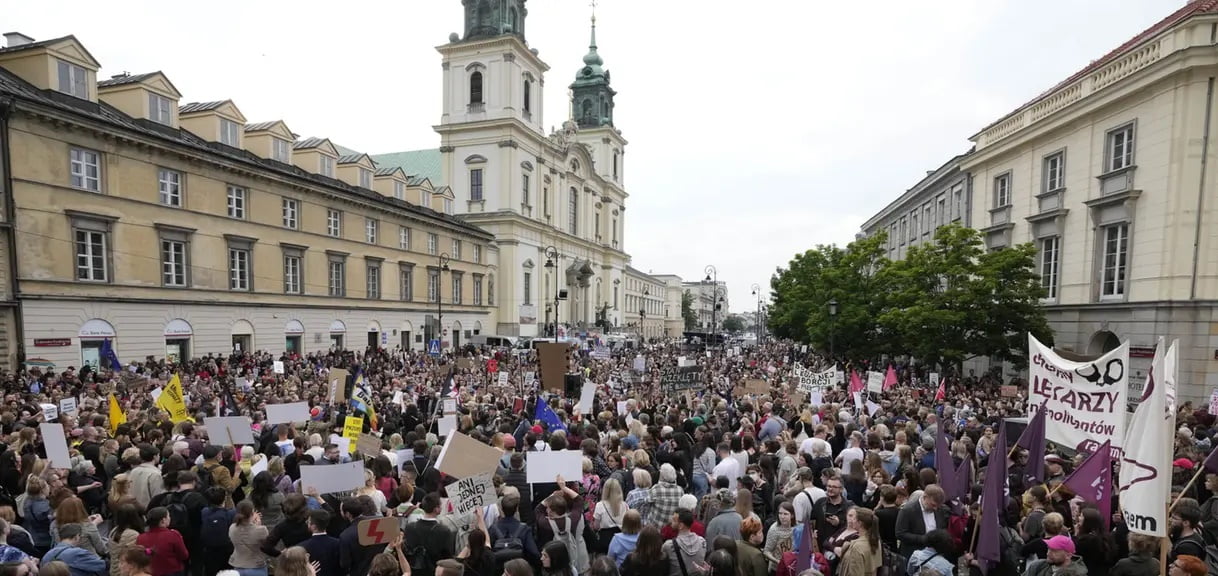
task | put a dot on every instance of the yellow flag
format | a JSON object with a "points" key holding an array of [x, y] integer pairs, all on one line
{"points": [[117, 418], [173, 401]]}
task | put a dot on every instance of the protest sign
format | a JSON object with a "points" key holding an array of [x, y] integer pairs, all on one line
{"points": [[278, 367], [56, 444], [875, 382], [377, 531], [640, 364], [492, 365], [368, 445], [338, 385], [544, 467], [1084, 401], [353, 426], [229, 430], [586, 396], [287, 413], [68, 406], [1009, 391], [679, 378], [1214, 403], [809, 380], [332, 478], [503, 378], [463, 457], [473, 492]]}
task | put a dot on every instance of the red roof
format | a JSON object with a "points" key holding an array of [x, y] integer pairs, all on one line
{"points": [[1188, 11]]}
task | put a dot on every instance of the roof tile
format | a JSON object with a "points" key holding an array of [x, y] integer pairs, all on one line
{"points": [[122, 79], [193, 107]]}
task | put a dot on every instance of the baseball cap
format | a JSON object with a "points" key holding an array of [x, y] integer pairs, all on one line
{"points": [[1061, 542], [1184, 463]]}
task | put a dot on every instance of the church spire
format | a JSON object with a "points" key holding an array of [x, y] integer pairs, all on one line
{"points": [[591, 96]]}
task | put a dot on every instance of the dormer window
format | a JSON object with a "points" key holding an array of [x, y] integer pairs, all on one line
{"points": [[160, 109], [72, 80], [230, 133], [365, 178], [327, 165], [281, 150], [399, 190]]}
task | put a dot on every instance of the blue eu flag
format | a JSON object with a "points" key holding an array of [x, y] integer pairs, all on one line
{"points": [[548, 417], [108, 357]]}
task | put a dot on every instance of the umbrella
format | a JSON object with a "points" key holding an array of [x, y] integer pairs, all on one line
{"points": [[43, 362]]}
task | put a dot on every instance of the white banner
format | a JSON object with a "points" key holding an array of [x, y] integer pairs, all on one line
{"points": [[809, 380], [875, 382], [1085, 401], [1146, 471]]}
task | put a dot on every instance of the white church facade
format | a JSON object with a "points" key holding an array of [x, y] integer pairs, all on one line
{"points": [[555, 203]]}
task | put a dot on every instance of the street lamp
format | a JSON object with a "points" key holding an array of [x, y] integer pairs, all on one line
{"points": [[757, 324], [552, 258], [832, 327], [712, 277], [444, 259]]}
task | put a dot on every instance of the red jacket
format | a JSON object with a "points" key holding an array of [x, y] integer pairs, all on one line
{"points": [[668, 532], [169, 553]]}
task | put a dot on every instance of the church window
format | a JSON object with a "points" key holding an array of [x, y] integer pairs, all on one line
{"points": [[475, 88], [615, 156], [528, 96], [587, 110], [573, 211], [475, 184], [512, 26]]}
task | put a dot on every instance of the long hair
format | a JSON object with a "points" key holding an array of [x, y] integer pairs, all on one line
{"points": [[648, 551], [292, 562], [867, 525], [611, 495], [261, 489]]}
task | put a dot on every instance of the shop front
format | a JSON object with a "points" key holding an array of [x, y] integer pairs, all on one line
{"points": [[293, 334], [93, 333], [243, 337], [338, 330], [178, 333]]}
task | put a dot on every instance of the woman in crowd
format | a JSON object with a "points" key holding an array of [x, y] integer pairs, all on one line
{"points": [[247, 534], [862, 557]]}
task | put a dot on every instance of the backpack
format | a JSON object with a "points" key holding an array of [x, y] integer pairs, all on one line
{"points": [[892, 564], [203, 471], [573, 539], [1012, 547], [506, 548], [179, 515], [213, 534], [420, 561]]}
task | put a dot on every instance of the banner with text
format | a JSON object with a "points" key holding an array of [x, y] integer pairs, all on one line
{"points": [[1084, 401], [809, 380], [679, 378]]}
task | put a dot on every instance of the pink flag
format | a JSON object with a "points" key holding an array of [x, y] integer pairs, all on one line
{"points": [[942, 393], [856, 383], [890, 379], [1092, 480]]}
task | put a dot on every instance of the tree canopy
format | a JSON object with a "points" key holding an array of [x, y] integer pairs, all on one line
{"points": [[947, 301]]}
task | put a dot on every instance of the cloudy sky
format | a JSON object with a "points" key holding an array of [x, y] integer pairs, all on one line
{"points": [[757, 129]]}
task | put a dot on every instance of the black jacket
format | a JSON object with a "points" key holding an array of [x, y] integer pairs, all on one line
{"points": [[354, 559], [911, 528], [323, 549]]}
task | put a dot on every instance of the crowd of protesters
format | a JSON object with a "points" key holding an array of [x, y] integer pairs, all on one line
{"points": [[714, 481]]}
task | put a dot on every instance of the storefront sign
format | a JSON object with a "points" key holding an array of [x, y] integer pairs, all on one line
{"points": [[52, 342]]}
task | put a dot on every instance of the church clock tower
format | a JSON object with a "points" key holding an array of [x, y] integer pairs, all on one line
{"points": [[591, 95]]}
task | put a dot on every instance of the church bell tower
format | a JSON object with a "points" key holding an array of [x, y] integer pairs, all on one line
{"points": [[490, 18], [591, 95]]}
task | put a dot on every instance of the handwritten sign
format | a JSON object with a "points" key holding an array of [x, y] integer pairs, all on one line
{"points": [[1009, 391], [277, 366], [377, 531], [503, 378], [68, 406], [353, 427], [368, 445], [473, 492], [679, 378]]}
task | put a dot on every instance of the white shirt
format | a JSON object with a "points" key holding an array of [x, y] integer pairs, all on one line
{"points": [[928, 518], [741, 458], [850, 455], [728, 467], [803, 507]]}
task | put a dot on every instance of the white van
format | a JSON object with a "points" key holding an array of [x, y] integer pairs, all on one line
{"points": [[492, 341]]}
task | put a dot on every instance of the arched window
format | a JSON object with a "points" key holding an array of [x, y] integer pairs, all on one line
{"points": [[512, 20], [475, 88], [604, 108], [587, 110], [573, 211], [528, 96]]}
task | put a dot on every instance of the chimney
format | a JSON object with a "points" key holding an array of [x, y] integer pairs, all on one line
{"points": [[120, 75], [15, 39]]}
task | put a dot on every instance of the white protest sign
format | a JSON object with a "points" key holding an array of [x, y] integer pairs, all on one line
{"points": [[449, 406], [1084, 401], [875, 382], [345, 444], [287, 413], [473, 492], [586, 396], [816, 398], [50, 412], [260, 466], [1214, 403], [872, 408], [503, 378], [544, 467], [229, 430], [446, 425], [640, 363], [934, 378], [332, 478], [56, 444], [809, 380], [839, 377], [68, 406], [622, 409], [683, 361], [278, 367], [1146, 464]]}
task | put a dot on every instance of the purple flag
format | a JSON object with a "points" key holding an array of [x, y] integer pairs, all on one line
{"points": [[1092, 480], [1211, 461], [1033, 440], [993, 502], [964, 482], [803, 552], [943, 461]]}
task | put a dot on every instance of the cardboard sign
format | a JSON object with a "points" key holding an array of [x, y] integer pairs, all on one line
{"points": [[377, 531], [679, 378], [465, 363], [332, 478], [229, 430], [277, 367], [287, 413], [463, 457], [56, 444], [1010, 391], [353, 427], [555, 360], [368, 445], [756, 387], [473, 492], [338, 385], [544, 467], [503, 378], [875, 382]]}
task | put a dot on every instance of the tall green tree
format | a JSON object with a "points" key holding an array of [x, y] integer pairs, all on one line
{"points": [[733, 323], [687, 311]]}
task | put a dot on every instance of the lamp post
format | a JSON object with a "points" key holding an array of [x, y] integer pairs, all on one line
{"points": [[832, 328], [712, 278], [757, 323], [552, 258], [444, 259]]}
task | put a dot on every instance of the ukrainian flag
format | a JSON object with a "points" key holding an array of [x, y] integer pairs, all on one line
{"points": [[361, 401]]}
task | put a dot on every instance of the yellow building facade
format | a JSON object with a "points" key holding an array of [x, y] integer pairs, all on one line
{"points": [[182, 230]]}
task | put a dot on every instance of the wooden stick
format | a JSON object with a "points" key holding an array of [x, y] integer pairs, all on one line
{"points": [[976, 528], [1200, 471]]}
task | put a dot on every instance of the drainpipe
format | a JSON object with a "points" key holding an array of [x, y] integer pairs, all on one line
{"points": [[1205, 149], [10, 212]]}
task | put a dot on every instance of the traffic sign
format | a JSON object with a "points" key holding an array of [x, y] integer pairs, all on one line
{"points": [[433, 347]]}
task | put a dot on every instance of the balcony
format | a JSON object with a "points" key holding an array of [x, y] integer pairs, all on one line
{"points": [[476, 107]]}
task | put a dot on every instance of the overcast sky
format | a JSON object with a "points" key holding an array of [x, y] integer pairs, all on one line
{"points": [[757, 129]]}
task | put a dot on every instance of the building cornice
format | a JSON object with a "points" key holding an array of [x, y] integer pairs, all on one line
{"points": [[494, 46]]}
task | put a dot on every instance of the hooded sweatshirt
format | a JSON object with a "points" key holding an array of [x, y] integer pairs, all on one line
{"points": [[692, 550], [1044, 568]]}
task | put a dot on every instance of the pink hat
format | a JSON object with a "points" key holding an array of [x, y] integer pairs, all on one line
{"points": [[1184, 463], [1061, 542], [509, 442]]}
